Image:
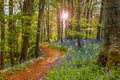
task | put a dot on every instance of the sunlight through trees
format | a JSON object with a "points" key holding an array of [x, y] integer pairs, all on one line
{"points": [[73, 25]]}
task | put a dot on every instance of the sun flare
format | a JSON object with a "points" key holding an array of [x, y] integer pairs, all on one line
{"points": [[65, 15]]}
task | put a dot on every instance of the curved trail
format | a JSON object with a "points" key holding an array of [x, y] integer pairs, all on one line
{"points": [[40, 68]]}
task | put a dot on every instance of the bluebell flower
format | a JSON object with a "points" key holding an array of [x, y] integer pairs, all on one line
{"points": [[118, 64], [48, 65], [71, 76], [73, 65], [106, 69], [68, 58], [43, 77]]}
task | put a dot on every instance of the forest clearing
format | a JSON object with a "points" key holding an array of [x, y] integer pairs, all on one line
{"points": [[59, 39]]}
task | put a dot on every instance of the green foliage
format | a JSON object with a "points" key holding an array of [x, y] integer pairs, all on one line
{"points": [[84, 25], [93, 22], [31, 52], [76, 33], [4, 46], [58, 47], [53, 36], [2, 75], [20, 21], [22, 66], [78, 65]]}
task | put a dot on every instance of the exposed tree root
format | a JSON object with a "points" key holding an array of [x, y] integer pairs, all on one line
{"points": [[110, 59]]}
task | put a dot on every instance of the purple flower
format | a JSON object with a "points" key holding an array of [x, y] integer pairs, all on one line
{"points": [[68, 58], [73, 65], [48, 65], [118, 64], [104, 58], [43, 77], [106, 69]]}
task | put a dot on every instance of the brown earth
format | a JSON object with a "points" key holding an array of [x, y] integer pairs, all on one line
{"points": [[39, 69]]}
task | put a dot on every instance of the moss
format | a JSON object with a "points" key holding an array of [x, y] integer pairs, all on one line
{"points": [[113, 59], [102, 59], [2, 75], [109, 59]]}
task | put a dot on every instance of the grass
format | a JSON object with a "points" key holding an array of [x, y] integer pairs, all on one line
{"points": [[58, 47], [78, 65], [16, 68]]}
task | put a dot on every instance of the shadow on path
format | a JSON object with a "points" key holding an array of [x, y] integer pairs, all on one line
{"points": [[40, 68]]}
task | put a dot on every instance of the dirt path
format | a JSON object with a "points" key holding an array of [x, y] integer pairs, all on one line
{"points": [[39, 69]]}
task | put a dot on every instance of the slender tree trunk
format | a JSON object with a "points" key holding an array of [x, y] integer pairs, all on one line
{"points": [[44, 34], [78, 26], [2, 21], [88, 15], [100, 21], [48, 25], [70, 10], [91, 16], [61, 31], [11, 33], [27, 9], [87, 21], [41, 10], [66, 29], [61, 21], [111, 50], [58, 23]]}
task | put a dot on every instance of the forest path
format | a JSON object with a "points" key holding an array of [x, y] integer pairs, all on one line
{"points": [[40, 68]]}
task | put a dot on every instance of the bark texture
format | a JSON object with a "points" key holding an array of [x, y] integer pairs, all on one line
{"points": [[111, 51], [78, 18], [58, 23], [41, 9], [2, 24], [100, 21], [27, 9], [11, 38]]}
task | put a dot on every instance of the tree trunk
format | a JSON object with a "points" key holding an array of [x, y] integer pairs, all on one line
{"points": [[11, 33], [91, 16], [87, 21], [44, 32], [111, 50], [78, 26], [100, 21], [2, 21], [61, 36], [70, 10], [61, 21], [27, 9], [41, 9], [58, 23], [48, 24]]}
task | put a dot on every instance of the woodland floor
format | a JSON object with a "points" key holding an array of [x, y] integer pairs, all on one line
{"points": [[40, 68]]}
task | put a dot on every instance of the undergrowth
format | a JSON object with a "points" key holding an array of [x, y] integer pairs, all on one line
{"points": [[58, 47], [79, 65], [15, 68]]}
